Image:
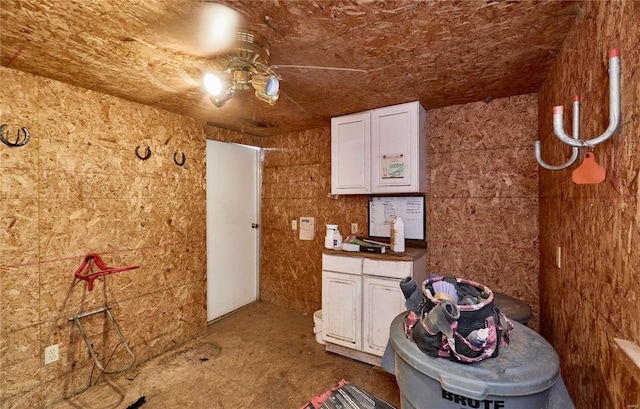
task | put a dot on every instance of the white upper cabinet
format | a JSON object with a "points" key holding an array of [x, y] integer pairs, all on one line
{"points": [[350, 154], [380, 151], [398, 149]]}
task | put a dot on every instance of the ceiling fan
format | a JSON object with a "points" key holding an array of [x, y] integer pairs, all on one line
{"points": [[246, 63], [243, 59]]}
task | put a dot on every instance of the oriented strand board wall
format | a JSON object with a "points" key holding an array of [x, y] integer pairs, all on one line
{"points": [[76, 188], [483, 195], [595, 296], [483, 203], [296, 182]]}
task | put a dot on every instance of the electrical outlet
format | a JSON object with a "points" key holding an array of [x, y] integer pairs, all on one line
{"points": [[294, 224], [51, 354], [354, 228]]}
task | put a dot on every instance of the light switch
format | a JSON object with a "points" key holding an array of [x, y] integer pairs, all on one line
{"points": [[294, 224]]}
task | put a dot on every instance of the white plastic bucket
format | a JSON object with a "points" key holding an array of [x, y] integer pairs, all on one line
{"points": [[317, 326]]}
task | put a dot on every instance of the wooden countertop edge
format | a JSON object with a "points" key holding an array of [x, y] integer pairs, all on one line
{"points": [[411, 254]]}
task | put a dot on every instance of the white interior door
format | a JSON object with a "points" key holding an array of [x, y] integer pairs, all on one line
{"points": [[233, 187]]}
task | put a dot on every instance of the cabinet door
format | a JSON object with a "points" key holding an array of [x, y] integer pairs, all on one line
{"points": [[342, 309], [350, 154], [398, 149], [383, 301]]}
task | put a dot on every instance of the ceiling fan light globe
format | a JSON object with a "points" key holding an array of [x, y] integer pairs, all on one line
{"points": [[273, 86], [212, 83], [266, 84]]}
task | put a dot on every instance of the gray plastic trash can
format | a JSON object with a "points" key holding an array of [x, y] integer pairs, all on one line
{"points": [[513, 308], [525, 375]]}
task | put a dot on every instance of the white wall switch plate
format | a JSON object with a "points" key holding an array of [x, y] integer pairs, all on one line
{"points": [[294, 224], [559, 257], [354, 228]]}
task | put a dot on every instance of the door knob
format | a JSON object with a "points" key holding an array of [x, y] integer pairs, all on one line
{"points": [[254, 225]]}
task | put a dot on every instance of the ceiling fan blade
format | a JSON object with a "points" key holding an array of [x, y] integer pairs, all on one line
{"points": [[294, 102], [316, 67]]}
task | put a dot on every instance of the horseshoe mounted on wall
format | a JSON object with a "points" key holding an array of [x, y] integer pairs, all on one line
{"points": [[18, 142], [175, 158], [147, 153]]}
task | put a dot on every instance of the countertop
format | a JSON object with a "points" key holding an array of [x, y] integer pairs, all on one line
{"points": [[411, 254]]}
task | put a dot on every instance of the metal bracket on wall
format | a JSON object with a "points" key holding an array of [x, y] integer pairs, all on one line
{"points": [[18, 141], [574, 141], [86, 272], [123, 341], [91, 260]]}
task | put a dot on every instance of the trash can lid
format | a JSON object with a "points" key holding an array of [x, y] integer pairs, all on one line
{"points": [[513, 308], [529, 365]]}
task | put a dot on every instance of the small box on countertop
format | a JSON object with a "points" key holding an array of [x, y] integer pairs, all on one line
{"points": [[350, 247]]}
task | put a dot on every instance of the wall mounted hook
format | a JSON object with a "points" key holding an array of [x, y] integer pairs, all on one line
{"points": [[576, 135], [147, 153], [18, 142], [175, 158], [614, 108], [614, 116]]}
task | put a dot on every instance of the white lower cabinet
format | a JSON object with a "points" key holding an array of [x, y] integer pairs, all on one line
{"points": [[342, 301], [382, 302], [360, 298]]}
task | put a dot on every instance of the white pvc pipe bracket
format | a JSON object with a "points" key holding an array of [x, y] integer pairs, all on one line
{"points": [[614, 117]]}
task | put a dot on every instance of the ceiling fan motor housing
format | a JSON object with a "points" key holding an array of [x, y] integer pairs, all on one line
{"points": [[247, 47], [241, 77]]}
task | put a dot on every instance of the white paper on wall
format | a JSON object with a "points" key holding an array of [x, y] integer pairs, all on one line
{"points": [[307, 228], [393, 166]]}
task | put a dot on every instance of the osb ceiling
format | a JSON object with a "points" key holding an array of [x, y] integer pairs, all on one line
{"points": [[438, 52]]}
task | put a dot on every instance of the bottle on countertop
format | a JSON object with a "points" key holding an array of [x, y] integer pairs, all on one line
{"points": [[397, 235], [337, 241], [328, 242], [329, 238]]}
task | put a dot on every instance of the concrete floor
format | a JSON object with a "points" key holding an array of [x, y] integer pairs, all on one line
{"points": [[263, 357]]}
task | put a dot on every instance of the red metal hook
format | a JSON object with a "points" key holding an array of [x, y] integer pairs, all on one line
{"points": [[85, 271]]}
